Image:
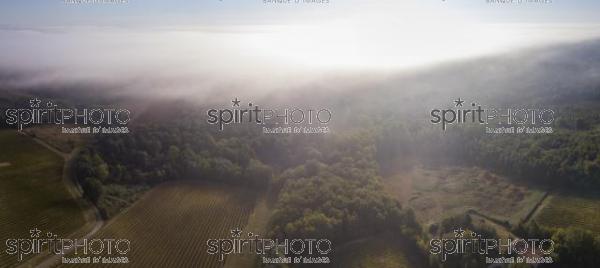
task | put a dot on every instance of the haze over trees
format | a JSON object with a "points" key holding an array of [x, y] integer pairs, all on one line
{"points": [[330, 185]]}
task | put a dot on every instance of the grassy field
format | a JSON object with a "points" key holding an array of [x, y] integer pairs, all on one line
{"points": [[170, 225], [566, 211], [53, 135], [437, 193], [32, 192]]}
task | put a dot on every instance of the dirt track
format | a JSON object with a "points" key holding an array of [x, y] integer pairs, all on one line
{"points": [[76, 191]]}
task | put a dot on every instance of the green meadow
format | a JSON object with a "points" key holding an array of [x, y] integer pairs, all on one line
{"points": [[33, 193], [571, 211], [442, 192]]}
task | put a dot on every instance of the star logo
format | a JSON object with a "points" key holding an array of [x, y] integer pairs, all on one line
{"points": [[459, 102], [459, 232], [236, 102], [34, 103], [236, 232], [35, 232]]}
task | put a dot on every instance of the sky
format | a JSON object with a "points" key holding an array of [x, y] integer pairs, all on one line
{"points": [[225, 40], [40, 13]]}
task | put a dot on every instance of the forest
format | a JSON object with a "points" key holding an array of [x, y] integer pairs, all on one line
{"points": [[325, 187], [330, 186]]}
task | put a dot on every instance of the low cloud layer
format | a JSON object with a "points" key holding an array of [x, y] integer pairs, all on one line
{"points": [[258, 59]]}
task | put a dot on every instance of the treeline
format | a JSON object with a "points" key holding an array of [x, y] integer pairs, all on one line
{"points": [[153, 154], [123, 165], [337, 194], [565, 159], [569, 157], [573, 247]]}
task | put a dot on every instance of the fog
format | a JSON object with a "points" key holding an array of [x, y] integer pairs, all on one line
{"points": [[257, 60]]}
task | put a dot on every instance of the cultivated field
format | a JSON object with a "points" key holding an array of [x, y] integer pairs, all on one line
{"points": [[437, 193], [32, 193], [170, 225], [567, 211], [381, 251], [257, 223]]}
